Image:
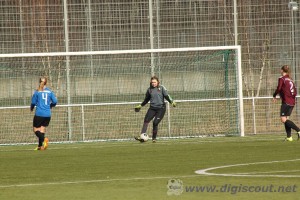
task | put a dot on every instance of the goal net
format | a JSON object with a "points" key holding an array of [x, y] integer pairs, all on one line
{"points": [[97, 92]]}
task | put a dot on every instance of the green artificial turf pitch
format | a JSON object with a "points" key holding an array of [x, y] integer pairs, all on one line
{"points": [[251, 167]]}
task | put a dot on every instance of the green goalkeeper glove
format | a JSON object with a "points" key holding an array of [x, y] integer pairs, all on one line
{"points": [[137, 108], [173, 104]]}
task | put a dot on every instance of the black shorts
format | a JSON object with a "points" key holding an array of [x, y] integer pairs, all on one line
{"points": [[41, 121], [286, 110], [158, 113]]}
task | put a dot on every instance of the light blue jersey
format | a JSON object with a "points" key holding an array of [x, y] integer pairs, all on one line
{"points": [[43, 100]]}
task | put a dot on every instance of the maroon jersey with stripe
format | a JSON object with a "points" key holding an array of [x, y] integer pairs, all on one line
{"points": [[287, 90]]}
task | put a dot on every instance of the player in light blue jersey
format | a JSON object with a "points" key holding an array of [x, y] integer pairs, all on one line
{"points": [[43, 99]]}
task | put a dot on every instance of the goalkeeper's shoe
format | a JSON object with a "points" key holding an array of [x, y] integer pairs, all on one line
{"points": [[298, 135], [39, 148], [289, 139], [138, 139], [154, 140], [45, 143]]}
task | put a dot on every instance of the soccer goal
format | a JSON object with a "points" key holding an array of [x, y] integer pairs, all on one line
{"points": [[98, 90]]}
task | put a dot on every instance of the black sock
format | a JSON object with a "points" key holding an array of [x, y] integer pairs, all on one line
{"points": [[154, 134], [288, 130], [41, 137], [37, 133], [291, 124]]}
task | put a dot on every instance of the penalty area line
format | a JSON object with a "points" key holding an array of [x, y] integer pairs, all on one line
{"points": [[206, 171], [96, 181]]}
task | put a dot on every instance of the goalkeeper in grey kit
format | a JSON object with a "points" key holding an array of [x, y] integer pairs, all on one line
{"points": [[156, 94]]}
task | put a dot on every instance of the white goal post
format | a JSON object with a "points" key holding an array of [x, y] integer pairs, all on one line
{"points": [[103, 86]]}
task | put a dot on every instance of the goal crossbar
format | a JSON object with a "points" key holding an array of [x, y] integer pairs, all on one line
{"points": [[85, 53]]}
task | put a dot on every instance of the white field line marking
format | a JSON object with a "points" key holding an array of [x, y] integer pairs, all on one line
{"points": [[206, 171], [95, 181], [270, 172], [54, 148], [121, 144]]}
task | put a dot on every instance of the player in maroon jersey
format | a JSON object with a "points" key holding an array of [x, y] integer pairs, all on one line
{"points": [[287, 91]]}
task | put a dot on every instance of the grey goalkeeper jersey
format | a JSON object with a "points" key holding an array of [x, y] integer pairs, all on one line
{"points": [[156, 97]]}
